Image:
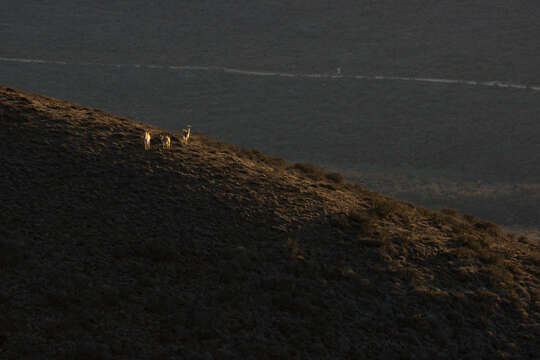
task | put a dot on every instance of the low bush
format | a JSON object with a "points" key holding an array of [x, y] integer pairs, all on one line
{"points": [[451, 212], [335, 177], [340, 221], [384, 207], [310, 170], [358, 189], [491, 228], [474, 243], [362, 221], [294, 249], [369, 242]]}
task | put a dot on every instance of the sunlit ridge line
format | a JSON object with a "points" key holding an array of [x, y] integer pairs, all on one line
{"points": [[494, 83]]}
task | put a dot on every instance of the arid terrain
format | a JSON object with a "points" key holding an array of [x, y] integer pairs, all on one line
{"points": [[473, 148], [209, 250]]}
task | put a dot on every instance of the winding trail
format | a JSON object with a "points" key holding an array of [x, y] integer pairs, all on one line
{"points": [[495, 83]]}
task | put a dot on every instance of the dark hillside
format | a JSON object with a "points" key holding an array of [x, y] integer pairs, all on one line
{"points": [[213, 251]]}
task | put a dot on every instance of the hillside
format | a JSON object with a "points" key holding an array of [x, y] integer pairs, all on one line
{"points": [[212, 251]]}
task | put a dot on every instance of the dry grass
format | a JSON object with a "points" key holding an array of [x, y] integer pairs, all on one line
{"points": [[244, 153]]}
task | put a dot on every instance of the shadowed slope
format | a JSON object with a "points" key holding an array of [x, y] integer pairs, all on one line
{"points": [[213, 251]]}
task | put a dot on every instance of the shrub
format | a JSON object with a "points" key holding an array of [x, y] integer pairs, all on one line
{"points": [[438, 218], [257, 156], [335, 177], [362, 221], [408, 214], [340, 221], [383, 207], [359, 216], [492, 258], [294, 249], [451, 212], [310, 170], [379, 240], [275, 162], [465, 253], [369, 242], [473, 243], [358, 189], [489, 227], [462, 227], [497, 273]]}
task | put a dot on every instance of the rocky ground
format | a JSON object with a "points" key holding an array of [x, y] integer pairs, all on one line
{"points": [[212, 251]]}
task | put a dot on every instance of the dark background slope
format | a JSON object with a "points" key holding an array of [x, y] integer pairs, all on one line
{"points": [[468, 147], [474, 39], [212, 251]]}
